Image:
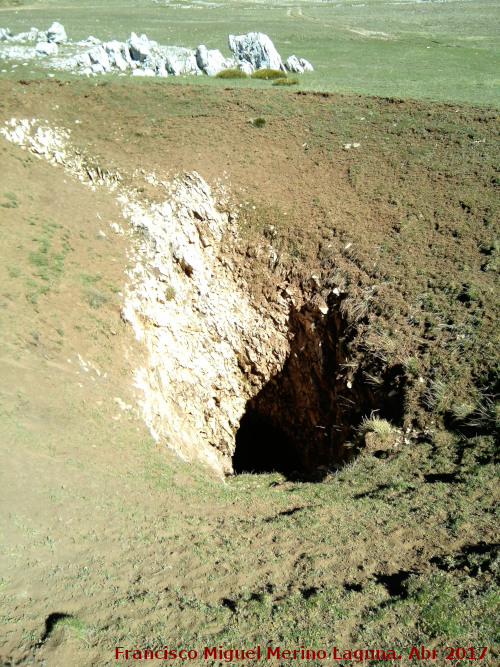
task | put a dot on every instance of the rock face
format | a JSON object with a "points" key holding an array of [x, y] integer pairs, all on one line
{"points": [[211, 62], [46, 49], [256, 49], [57, 34], [198, 325], [139, 47]]}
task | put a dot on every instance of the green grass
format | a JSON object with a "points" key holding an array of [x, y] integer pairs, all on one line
{"points": [[438, 51], [11, 202], [47, 259], [288, 81], [96, 298], [268, 74], [231, 74]]}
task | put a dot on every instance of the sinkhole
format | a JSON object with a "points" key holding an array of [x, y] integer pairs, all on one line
{"points": [[303, 418]]}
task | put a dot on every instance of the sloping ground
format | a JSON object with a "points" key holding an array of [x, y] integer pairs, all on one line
{"points": [[140, 550]]}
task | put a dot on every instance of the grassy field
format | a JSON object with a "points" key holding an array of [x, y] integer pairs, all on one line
{"points": [[107, 539], [433, 50]]}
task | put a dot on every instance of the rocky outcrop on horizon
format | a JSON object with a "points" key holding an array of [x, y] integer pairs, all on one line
{"points": [[257, 49], [140, 56]]}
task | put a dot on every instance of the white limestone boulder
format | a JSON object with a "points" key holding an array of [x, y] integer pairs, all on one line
{"points": [[257, 49], [211, 62], [246, 67], [57, 34], [118, 54], [293, 65], [100, 59], [139, 47], [46, 49], [181, 61]]}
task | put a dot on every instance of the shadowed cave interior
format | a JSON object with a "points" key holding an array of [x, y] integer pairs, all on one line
{"points": [[303, 418], [263, 447]]}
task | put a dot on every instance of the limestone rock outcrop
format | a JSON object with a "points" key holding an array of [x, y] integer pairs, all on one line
{"points": [[293, 65], [57, 34], [257, 49], [46, 49], [200, 326], [142, 56], [179, 60], [118, 54], [139, 47], [211, 62], [306, 65]]}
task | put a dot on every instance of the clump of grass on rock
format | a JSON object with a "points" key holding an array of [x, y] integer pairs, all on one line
{"points": [[375, 434], [231, 74], [268, 74]]}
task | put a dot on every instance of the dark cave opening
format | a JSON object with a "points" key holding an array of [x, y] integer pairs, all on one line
{"points": [[303, 418], [261, 447]]}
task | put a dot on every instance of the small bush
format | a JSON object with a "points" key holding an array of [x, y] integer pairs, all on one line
{"points": [[381, 427], [258, 122], [96, 298], [294, 81], [268, 74], [231, 74], [170, 293]]}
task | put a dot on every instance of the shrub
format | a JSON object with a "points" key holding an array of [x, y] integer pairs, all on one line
{"points": [[268, 74], [258, 122], [372, 424], [96, 298], [231, 74], [170, 293], [285, 81]]}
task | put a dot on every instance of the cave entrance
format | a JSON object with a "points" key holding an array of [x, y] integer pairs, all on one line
{"points": [[262, 447], [303, 418]]}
